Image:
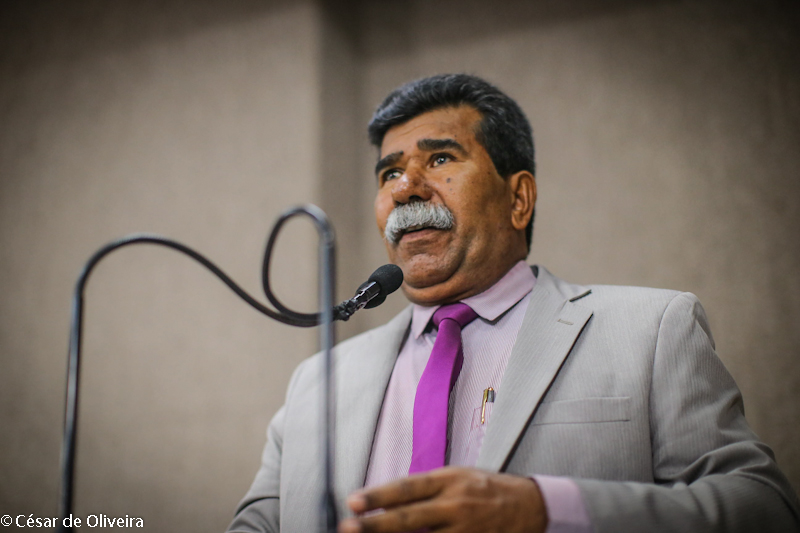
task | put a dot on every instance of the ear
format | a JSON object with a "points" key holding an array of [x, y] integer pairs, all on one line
{"points": [[522, 187]]}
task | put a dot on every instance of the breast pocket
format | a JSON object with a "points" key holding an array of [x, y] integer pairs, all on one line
{"points": [[583, 411], [597, 438], [477, 430]]}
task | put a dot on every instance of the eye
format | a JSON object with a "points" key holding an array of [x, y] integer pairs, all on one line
{"points": [[440, 159], [390, 175]]}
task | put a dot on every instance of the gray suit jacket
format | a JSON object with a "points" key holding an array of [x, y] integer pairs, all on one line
{"points": [[618, 388]]}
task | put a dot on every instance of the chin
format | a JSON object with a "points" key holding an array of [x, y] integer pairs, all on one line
{"points": [[423, 272]]}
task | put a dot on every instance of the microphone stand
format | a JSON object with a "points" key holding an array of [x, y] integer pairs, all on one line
{"points": [[327, 334], [327, 272]]}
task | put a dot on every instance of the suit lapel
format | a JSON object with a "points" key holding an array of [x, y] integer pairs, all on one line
{"points": [[362, 376], [550, 328]]}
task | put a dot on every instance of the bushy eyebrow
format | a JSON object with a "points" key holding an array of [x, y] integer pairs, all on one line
{"points": [[431, 145], [387, 161], [427, 145]]}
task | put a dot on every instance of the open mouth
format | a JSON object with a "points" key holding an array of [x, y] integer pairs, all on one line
{"points": [[417, 230], [412, 229]]}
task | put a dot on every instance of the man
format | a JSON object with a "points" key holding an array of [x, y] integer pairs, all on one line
{"points": [[516, 401]]}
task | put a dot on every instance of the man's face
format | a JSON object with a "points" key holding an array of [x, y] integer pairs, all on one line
{"points": [[436, 158]]}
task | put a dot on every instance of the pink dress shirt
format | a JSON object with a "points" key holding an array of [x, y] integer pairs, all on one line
{"points": [[487, 344]]}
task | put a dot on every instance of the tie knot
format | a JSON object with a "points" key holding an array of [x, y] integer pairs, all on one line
{"points": [[460, 312]]}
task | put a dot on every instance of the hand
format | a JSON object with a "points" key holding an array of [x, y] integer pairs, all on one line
{"points": [[450, 499]]}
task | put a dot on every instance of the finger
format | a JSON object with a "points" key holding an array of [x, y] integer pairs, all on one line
{"points": [[406, 490], [406, 518]]}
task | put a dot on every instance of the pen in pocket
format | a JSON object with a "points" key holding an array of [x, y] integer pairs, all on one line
{"points": [[488, 397]]}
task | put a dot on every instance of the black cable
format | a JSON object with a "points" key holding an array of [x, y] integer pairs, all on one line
{"points": [[284, 315], [311, 319]]}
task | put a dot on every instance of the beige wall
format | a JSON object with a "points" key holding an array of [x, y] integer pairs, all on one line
{"points": [[194, 121], [666, 133]]}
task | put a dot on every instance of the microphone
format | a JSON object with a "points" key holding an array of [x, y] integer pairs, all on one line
{"points": [[384, 281]]}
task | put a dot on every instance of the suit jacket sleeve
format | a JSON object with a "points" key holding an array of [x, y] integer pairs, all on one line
{"points": [[711, 472], [259, 510]]}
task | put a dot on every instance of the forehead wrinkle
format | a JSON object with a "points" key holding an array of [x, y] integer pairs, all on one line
{"points": [[388, 160]]}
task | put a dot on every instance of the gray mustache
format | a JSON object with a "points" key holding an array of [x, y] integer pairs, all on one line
{"points": [[416, 214]]}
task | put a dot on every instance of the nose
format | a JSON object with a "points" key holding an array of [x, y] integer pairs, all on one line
{"points": [[411, 186]]}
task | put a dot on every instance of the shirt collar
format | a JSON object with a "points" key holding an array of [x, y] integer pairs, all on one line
{"points": [[489, 304]]}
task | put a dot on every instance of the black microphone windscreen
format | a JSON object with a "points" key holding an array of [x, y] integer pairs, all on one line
{"points": [[389, 277]]}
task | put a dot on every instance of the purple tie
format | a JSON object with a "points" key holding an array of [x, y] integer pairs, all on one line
{"points": [[432, 401]]}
